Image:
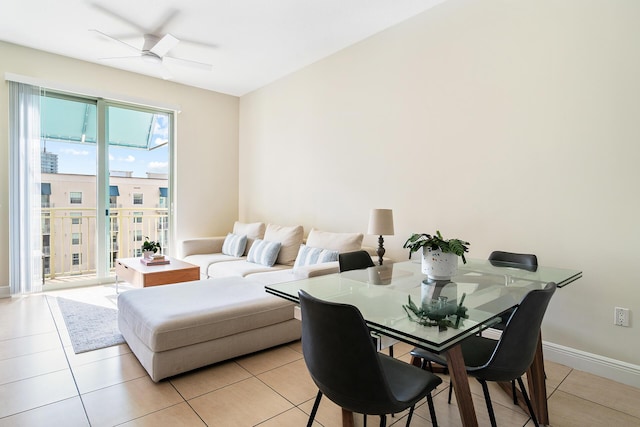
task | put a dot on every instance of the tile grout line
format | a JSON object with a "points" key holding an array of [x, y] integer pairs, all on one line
{"points": [[186, 401], [75, 383]]}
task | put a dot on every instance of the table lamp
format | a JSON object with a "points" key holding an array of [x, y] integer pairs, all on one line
{"points": [[381, 224]]}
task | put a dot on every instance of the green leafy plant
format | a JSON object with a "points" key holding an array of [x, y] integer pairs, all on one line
{"points": [[442, 315], [150, 245], [454, 246]]}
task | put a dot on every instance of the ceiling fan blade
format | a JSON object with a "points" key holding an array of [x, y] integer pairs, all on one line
{"points": [[116, 40], [118, 17], [164, 45], [187, 63], [118, 57], [168, 17], [198, 43]]}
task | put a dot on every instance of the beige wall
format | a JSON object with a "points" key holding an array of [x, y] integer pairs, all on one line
{"points": [[513, 124], [207, 138]]}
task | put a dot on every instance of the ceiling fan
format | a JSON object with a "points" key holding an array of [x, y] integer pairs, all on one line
{"points": [[157, 44]]}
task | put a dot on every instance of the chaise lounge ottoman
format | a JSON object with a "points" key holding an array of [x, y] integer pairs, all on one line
{"points": [[176, 328]]}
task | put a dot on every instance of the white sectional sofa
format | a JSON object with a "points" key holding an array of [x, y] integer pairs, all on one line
{"points": [[176, 328], [207, 253]]}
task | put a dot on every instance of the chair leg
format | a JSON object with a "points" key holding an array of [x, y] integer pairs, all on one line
{"points": [[450, 392], [390, 351], [513, 392], [410, 415], [383, 421], [365, 420], [315, 408], [432, 411], [487, 399], [528, 402]]}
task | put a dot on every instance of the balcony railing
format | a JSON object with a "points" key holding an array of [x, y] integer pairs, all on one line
{"points": [[126, 230]]}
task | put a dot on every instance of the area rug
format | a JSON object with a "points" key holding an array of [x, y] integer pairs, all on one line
{"points": [[90, 326]]}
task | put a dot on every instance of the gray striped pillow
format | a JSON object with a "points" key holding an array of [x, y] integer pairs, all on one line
{"points": [[234, 245], [264, 252], [310, 256]]}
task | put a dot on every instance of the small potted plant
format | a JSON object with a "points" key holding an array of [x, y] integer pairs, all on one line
{"points": [[439, 255], [149, 247]]}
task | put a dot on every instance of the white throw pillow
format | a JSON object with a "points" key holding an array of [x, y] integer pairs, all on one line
{"points": [[264, 252], [234, 245], [310, 256], [341, 242], [289, 237]]}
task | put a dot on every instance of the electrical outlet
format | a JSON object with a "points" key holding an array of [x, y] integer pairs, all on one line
{"points": [[621, 316]]}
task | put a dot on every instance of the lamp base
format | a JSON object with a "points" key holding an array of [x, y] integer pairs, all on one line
{"points": [[380, 251]]}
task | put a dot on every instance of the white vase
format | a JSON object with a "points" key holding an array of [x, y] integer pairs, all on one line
{"points": [[438, 265], [147, 254]]}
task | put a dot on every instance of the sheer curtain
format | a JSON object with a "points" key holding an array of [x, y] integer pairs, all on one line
{"points": [[25, 246]]}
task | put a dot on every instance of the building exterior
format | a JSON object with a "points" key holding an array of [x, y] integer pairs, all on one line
{"points": [[137, 209], [48, 162]]}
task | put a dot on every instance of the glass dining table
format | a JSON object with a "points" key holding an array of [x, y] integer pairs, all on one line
{"points": [[475, 298]]}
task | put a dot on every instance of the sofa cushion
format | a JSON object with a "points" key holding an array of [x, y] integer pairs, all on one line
{"points": [[234, 245], [241, 268], [172, 316], [264, 252], [308, 255], [289, 237], [253, 231], [341, 242], [204, 261]]}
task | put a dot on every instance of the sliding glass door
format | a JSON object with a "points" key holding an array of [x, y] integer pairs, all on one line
{"points": [[138, 153], [105, 185], [69, 202]]}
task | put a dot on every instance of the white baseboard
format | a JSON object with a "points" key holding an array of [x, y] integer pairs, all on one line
{"points": [[5, 292], [616, 370]]}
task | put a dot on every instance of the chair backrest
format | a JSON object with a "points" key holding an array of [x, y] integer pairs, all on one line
{"points": [[527, 262], [517, 346], [357, 260], [341, 357]]}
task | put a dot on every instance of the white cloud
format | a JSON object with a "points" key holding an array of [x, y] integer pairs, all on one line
{"points": [[128, 159], [74, 152], [111, 158], [158, 166]]}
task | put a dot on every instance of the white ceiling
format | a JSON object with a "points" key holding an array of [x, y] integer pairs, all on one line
{"points": [[250, 43]]}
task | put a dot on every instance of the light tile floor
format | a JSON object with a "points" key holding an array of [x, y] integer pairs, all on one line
{"points": [[43, 383]]}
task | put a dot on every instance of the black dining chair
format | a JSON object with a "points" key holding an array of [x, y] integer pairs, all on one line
{"points": [[508, 358], [356, 260], [527, 262], [344, 364]]}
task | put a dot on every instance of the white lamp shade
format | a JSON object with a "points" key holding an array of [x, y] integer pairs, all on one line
{"points": [[381, 222]]}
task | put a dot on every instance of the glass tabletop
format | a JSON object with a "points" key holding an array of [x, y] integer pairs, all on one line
{"points": [[382, 295]]}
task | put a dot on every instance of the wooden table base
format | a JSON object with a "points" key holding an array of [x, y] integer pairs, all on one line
{"points": [[460, 382], [347, 418]]}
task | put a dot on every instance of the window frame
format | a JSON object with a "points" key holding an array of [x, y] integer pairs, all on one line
{"points": [[71, 198]]}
